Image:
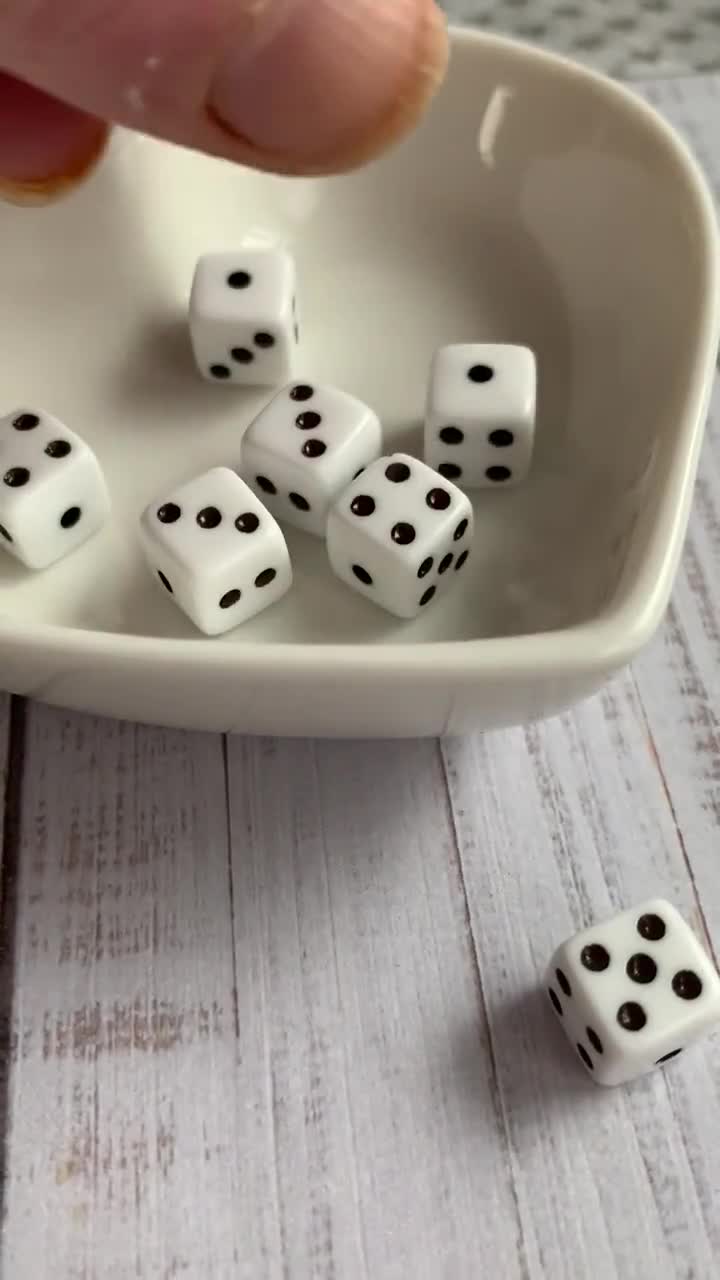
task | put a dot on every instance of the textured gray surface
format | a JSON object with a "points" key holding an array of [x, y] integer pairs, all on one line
{"points": [[627, 38]]}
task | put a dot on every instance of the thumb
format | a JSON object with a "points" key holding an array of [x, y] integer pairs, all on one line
{"points": [[291, 86]]}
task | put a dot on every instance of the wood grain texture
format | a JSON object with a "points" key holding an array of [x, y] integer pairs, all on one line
{"points": [[124, 1004], [276, 1008], [360, 1014], [608, 1183]]}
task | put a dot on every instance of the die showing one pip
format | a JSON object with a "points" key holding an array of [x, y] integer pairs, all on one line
{"points": [[480, 416], [53, 495], [400, 534], [632, 992], [243, 317], [217, 551], [304, 449]]}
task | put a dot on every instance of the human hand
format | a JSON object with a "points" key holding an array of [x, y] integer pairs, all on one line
{"points": [[290, 86]]}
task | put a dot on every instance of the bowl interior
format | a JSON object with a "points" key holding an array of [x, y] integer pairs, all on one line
{"points": [[535, 205]]}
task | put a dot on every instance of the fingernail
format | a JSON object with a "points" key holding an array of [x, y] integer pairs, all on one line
{"points": [[61, 172], [335, 81]]}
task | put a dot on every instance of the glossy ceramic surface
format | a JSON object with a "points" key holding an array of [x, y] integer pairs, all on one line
{"points": [[538, 204]]}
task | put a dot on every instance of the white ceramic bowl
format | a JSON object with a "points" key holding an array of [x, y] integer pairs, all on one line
{"points": [[538, 204]]}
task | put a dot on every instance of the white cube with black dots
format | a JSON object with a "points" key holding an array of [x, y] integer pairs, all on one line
{"points": [[400, 535], [633, 992], [243, 317], [217, 551], [480, 416], [304, 449], [53, 495]]}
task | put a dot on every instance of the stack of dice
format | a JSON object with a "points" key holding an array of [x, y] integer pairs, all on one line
{"points": [[398, 529]]}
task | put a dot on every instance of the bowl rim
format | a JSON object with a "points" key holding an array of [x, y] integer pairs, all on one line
{"points": [[603, 643]]}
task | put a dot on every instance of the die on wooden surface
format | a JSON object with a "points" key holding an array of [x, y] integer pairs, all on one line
{"points": [[480, 415], [631, 993], [303, 450], [217, 551], [243, 317], [53, 495], [400, 535]]}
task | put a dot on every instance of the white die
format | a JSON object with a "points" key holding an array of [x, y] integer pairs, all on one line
{"points": [[304, 449], [633, 991], [53, 495], [399, 535], [217, 551], [480, 419], [243, 317]]}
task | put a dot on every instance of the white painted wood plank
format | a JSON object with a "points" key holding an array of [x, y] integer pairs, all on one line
{"points": [[120, 1153], [360, 1008], [558, 826], [351, 992]]}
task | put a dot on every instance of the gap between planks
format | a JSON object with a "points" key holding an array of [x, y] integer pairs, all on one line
{"points": [[12, 757]]}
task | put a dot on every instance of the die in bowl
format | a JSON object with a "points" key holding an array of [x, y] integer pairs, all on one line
{"points": [[53, 494], [216, 550], [305, 447], [400, 535], [243, 316], [480, 418]]}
